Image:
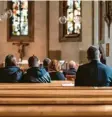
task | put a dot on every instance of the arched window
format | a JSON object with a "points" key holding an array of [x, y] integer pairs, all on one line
{"points": [[21, 24], [71, 30]]}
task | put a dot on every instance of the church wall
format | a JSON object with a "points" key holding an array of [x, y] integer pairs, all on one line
{"points": [[38, 47], [108, 40], [105, 38], [71, 50], [5, 47]]}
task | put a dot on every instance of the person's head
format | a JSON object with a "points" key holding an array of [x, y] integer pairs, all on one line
{"points": [[54, 65], [46, 62], [33, 61], [101, 49], [10, 60], [72, 64], [93, 53]]}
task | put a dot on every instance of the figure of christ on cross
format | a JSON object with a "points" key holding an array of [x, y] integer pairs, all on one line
{"points": [[21, 49]]}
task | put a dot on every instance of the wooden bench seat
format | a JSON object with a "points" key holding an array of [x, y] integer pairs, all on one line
{"points": [[52, 84], [55, 85], [56, 101], [21, 100], [48, 87], [56, 111], [56, 93]]}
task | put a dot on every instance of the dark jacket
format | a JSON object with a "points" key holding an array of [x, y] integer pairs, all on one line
{"points": [[10, 74], [94, 74], [36, 75], [71, 71], [103, 60], [55, 75]]}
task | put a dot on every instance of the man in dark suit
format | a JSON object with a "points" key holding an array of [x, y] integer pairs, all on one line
{"points": [[94, 73]]}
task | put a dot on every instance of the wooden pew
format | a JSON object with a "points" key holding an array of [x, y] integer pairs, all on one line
{"points": [[56, 101], [48, 87], [81, 102], [30, 87], [56, 111], [55, 85], [71, 77], [53, 100], [33, 85], [56, 93]]}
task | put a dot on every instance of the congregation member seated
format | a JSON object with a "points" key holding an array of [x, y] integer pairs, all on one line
{"points": [[72, 69], [103, 57], [46, 63], [10, 73], [70, 74], [35, 74], [94, 73], [55, 71]]}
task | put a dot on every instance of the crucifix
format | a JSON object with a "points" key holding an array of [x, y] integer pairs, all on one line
{"points": [[21, 49]]}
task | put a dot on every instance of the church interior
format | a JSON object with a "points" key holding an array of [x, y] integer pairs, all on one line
{"points": [[55, 58], [46, 35]]}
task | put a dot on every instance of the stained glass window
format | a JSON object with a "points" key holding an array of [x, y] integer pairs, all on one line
{"points": [[21, 24], [72, 28], [73, 16], [20, 17]]}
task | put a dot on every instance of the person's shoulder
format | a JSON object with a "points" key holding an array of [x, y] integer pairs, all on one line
{"points": [[45, 74], [43, 71], [15, 68], [33, 69], [18, 68], [84, 66], [106, 67], [59, 73], [2, 69], [103, 65], [52, 72]]}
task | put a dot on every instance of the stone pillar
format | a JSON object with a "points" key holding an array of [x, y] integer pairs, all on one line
{"points": [[96, 23]]}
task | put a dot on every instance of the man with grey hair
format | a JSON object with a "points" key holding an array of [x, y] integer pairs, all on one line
{"points": [[11, 73], [93, 73], [72, 69]]}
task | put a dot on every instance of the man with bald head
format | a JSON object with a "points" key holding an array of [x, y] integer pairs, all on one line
{"points": [[72, 68], [93, 73]]}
